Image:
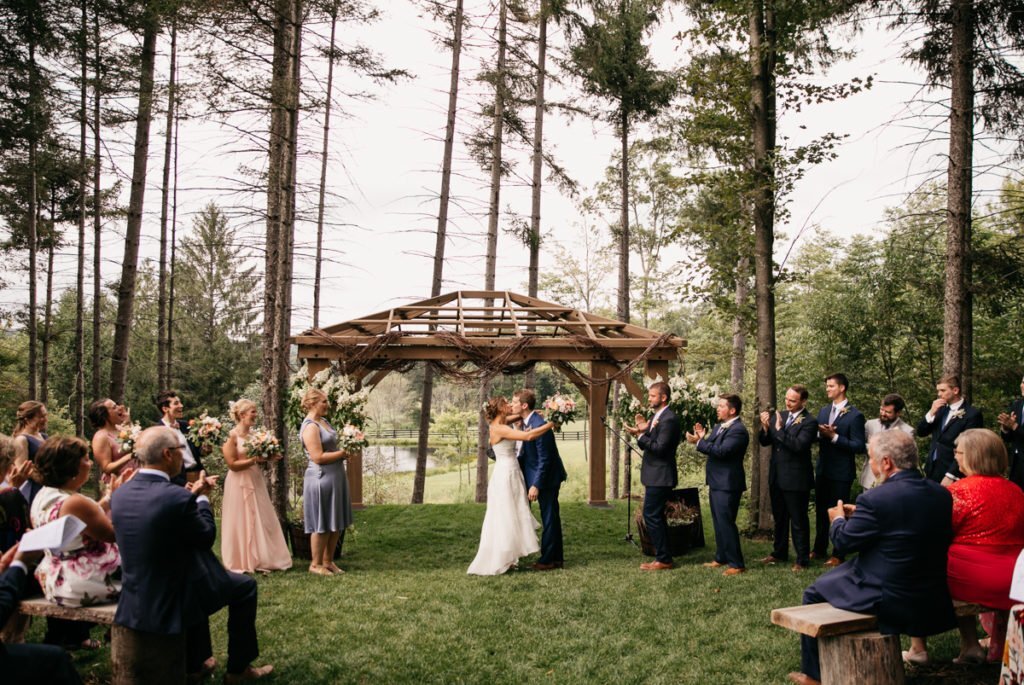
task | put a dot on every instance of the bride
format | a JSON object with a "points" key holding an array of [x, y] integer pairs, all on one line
{"points": [[509, 530]]}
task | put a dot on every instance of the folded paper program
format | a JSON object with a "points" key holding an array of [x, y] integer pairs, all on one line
{"points": [[56, 536]]}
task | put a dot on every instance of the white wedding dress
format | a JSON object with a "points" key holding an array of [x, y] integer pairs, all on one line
{"points": [[509, 530]]}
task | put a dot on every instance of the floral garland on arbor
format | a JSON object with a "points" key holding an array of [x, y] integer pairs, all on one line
{"points": [[692, 401], [347, 405]]}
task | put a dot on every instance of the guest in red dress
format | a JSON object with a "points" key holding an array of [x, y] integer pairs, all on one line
{"points": [[988, 534]]}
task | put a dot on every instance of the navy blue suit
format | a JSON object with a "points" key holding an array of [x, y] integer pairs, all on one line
{"points": [[940, 459], [790, 479], [29, 664], [172, 581], [902, 530], [836, 468], [659, 475], [725, 448], [543, 469], [1015, 443]]}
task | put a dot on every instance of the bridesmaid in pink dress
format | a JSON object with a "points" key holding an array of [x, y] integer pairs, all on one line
{"points": [[105, 416], [251, 536]]}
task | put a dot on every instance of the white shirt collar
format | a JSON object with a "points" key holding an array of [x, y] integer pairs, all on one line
{"points": [[726, 424], [658, 413], [155, 472], [956, 405], [839, 405]]}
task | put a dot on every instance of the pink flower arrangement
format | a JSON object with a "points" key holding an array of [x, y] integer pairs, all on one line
{"points": [[561, 409]]}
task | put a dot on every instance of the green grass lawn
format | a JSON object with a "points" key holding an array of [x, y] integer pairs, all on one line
{"points": [[406, 612]]}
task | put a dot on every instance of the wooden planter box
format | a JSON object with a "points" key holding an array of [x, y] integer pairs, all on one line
{"points": [[302, 546], [680, 538]]}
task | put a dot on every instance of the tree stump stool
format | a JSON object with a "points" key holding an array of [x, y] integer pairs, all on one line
{"points": [[146, 658], [867, 658]]}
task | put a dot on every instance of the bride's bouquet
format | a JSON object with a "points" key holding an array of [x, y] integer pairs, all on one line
{"points": [[350, 438], [127, 434], [561, 409], [262, 444], [207, 432]]}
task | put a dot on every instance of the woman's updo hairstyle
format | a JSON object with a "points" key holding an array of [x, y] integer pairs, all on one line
{"points": [[312, 396], [240, 407], [494, 407], [27, 412], [58, 459]]}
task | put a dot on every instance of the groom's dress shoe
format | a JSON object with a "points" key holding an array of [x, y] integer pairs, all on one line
{"points": [[712, 564], [734, 571], [546, 567], [656, 566]]}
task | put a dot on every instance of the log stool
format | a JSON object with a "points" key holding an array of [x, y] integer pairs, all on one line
{"points": [[146, 657]]}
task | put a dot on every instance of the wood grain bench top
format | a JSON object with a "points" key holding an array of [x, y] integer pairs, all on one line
{"points": [[969, 609], [822, 620], [39, 606]]}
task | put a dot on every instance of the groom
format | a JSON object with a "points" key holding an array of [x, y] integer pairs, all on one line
{"points": [[543, 472]]}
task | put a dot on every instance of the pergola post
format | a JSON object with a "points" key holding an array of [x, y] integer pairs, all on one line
{"points": [[354, 468], [656, 367], [597, 402]]}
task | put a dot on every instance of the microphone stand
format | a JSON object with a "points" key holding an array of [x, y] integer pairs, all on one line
{"points": [[629, 477]]}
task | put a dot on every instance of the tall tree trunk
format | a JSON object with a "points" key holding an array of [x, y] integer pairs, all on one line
{"points": [[162, 351], [622, 307], [533, 273], [44, 369], [739, 328], [323, 170], [280, 230], [97, 219], [129, 263], [491, 257], [956, 352], [32, 239], [174, 256], [420, 477], [762, 63], [78, 402], [613, 467]]}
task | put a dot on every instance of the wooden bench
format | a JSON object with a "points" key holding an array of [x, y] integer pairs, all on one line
{"points": [[135, 657], [851, 650]]}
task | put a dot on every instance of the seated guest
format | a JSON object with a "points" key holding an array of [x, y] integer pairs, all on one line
{"points": [[105, 416], [902, 529], [13, 505], [87, 572], [988, 534], [27, 664], [172, 580]]}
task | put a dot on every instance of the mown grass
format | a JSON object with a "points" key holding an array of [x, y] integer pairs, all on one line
{"points": [[407, 612]]}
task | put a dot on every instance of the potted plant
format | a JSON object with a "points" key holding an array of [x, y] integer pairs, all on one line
{"points": [[683, 521]]}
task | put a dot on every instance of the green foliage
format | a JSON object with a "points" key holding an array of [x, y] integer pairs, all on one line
{"points": [[461, 424]]}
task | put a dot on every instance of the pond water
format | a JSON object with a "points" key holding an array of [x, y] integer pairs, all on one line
{"points": [[394, 458]]}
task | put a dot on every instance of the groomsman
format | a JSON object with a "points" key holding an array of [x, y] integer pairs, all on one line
{"points": [[949, 416], [171, 410], [1011, 427], [840, 437], [725, 447], [888, 419], [790, 475]]}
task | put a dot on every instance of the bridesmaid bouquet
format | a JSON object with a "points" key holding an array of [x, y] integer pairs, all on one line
{"points": [[561, 409], [262, 444], [351, 438], [207, 432], [127, 434]]}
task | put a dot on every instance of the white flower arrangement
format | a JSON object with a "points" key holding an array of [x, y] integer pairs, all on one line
{"points": [[347, 405]]}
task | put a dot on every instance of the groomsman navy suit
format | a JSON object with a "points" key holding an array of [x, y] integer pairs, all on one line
{"points": [[543, 473], [840, 438], [1011, 427], [27, 664], [790, 475], [949, 416], [901, 529], [172, 581], [725, 447], [659, 439]]}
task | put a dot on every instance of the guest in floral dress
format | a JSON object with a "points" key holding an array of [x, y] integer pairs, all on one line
{"points": [[88, 572], [106, 415]]}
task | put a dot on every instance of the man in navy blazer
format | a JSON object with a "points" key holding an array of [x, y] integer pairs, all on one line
{"points": [[543, 473], [659, 439], [172, 581], [725, 447], [901, 529], [28, 664], [790, 475], [1011, 428], [840, 438], [949, 416]]}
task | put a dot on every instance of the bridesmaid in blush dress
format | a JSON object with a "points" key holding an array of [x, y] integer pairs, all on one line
{"points": [[251, 536], [106, 415]]}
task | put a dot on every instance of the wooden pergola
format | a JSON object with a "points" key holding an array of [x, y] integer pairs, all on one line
{"points": [[496, 332]]}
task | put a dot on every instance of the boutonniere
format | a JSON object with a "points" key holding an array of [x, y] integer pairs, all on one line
{"points": [[958, 414], [844, 411], [798, 420]]}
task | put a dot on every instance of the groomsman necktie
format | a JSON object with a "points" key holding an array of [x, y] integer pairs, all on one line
{"points": [[832, 415], [789, 420]]}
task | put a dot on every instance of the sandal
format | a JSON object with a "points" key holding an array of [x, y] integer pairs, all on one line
{"points": [[334, 569], [319, 571]]}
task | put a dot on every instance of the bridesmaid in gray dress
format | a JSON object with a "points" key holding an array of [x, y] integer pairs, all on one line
{"points": [[326, 506]]}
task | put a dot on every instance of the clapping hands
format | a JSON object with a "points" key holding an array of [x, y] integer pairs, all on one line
{"points": [[697, 435], [202, 485], [639, 427], [1008, 422]]}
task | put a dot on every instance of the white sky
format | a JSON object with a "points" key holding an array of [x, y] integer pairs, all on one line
{"points": [[386, 162]]}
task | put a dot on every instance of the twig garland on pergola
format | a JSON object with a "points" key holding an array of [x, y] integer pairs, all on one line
{"points": [[464, 337]]}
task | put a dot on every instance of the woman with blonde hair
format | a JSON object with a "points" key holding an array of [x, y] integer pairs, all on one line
{"points": [[251, 536], [326, 505], [29, 434]]}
